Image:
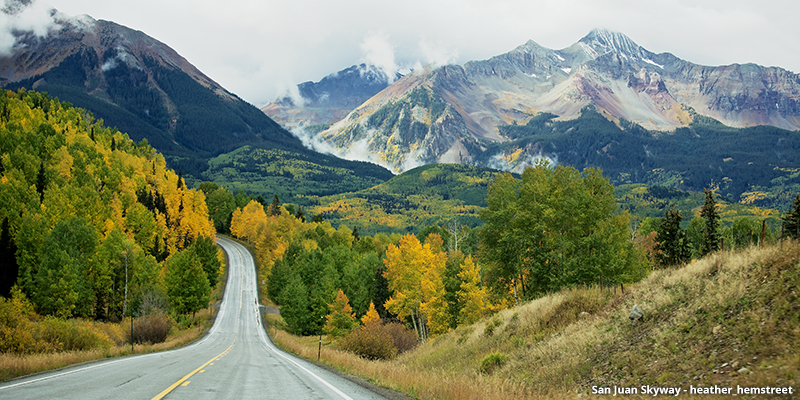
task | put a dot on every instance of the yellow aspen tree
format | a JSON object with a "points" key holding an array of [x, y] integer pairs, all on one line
{"points": [[471, 295], [371, 317], [407, 265], [341, 318]]}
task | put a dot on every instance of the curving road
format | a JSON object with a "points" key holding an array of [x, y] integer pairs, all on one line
{"points": [[235, 360]]}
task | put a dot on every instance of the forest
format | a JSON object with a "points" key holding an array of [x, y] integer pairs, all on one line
{"points": [[94, 227]]}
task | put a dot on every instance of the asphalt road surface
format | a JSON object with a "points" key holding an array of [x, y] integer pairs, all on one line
{"points": [[236, 360]]}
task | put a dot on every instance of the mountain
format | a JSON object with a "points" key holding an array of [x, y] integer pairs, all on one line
{"points": [[451, 113], [147, 90], [139, 85], [330, 99]]}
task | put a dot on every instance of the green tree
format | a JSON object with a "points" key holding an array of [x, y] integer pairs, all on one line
{"points": [[745, 232], [711, 233], [295, 309], [791, 221], [186, 283], [221, 204], [672, 244], [62, 283], [554, 228], [274, 208], [206, 251]]}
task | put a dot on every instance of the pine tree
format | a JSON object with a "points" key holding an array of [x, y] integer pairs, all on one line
{"points": [[791, 221], [9, 269], [672, 247], [41, 182], [711, 234], [274, 208]]}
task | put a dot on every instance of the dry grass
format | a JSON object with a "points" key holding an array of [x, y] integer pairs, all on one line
{"points": [[703, 323], [17, 365]]}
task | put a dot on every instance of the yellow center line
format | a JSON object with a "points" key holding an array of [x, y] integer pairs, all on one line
{"points": [[183, 381]]}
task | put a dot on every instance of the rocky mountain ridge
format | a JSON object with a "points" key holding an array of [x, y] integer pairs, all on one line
{"points": [[606, 70]]}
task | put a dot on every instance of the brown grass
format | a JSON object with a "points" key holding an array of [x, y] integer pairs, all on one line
{"points": [[703, 323], [17, 365]]}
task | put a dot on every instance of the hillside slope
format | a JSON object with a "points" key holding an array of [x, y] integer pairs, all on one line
{"points": [[731, 319]]}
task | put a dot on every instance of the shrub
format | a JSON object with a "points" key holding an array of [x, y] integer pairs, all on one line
{"points": [[489, 330], [60, 335], [492, 362], [372, 341], [404, 339], [151, 329]]}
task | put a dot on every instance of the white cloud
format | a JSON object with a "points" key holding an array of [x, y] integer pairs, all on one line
{"points": [[437, 53], [35, 17], [378, 51], [252, 47]]}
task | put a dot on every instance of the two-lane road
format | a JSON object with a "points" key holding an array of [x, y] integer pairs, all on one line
{"points": [[235, 360]]}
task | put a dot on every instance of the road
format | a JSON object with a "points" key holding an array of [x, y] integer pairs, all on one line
{"points": [[235, 360]]}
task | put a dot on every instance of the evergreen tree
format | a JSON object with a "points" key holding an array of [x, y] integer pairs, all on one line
{"points": [[41, 182], [295, 309], [274, 208], [9, 270], [711, 234], [791, 221], [672, 247], [300, 215], [181, 185]]}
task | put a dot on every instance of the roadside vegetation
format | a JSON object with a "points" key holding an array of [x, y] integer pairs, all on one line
{"points": [[94, 231], [731, 318]]}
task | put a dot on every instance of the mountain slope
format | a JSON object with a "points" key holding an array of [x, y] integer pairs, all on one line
{"points": [[147, 90], [607, 70], [138, 84], [330, 99]]}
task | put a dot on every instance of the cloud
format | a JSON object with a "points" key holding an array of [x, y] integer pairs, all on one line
{"points": [[499, 161], [23, 16], [378, 51], [437, 53]]}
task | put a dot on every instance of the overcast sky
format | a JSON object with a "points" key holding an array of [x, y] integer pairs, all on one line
{"points": [[259, 48]]}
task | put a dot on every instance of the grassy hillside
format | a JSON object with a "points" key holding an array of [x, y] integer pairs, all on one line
{"points": [[292, 175], [729, 319], [428, 195]]}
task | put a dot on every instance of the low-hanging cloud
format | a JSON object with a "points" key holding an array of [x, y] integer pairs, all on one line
{"points": [[378, 51], [499, 161], [437, 52], [19, 16]]}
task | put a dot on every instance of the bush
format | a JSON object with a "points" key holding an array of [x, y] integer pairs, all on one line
{"points": [[60, 335], [151, 329], [378, 341], [404, 339], [372, 341], [492, 362]]}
